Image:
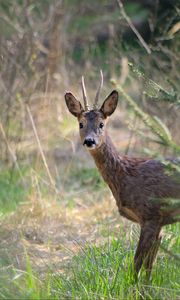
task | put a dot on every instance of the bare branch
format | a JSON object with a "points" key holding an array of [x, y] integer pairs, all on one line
{"points": [[131, 25], [13, 155], [40, 147]]}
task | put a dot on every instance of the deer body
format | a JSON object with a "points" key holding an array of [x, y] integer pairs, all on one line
{"points": [[136, 184]]}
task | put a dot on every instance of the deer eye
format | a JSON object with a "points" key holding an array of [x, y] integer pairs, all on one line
{"points": [[101, 125], [80, 125]]}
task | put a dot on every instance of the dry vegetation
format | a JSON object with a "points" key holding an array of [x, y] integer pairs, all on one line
{"points": [[52, 200]]}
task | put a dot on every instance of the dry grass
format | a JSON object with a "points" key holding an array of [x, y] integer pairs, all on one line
{"points": [[51, 233]]}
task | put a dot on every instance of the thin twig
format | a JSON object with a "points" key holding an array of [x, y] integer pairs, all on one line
{"points": [[40, 147], [14, 158], [131, 25], [8, 20]]}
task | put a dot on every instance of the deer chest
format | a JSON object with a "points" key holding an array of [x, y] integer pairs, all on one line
{"points": [[129, 214]]}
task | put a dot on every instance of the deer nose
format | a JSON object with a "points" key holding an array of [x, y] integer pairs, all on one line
{"points": [[89, 142]]}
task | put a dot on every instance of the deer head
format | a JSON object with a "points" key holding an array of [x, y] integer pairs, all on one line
{"points": [[92, 122]]}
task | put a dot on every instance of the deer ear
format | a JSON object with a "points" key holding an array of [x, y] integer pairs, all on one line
{"points": [[110, 104], [73, 105]]}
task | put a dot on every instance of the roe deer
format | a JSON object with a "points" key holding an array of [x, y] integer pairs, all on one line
{"points": [[136, 184]]}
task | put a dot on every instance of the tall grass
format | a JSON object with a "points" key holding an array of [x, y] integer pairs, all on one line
{"points": [[102, 272], [106, 272]]}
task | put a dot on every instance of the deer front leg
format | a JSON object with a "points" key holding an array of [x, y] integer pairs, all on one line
{"points": [[147, 247], [148, 263]]}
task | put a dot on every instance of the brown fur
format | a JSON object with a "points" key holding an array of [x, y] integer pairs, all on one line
{"points": [[139, 186]]}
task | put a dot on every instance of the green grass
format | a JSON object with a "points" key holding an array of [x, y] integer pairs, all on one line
{"points": [[12, 191], [106, 272], [102, 272], [23, 285], [97, 273]]}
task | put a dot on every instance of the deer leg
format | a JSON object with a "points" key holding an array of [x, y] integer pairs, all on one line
{"points": [[148, 263], [147, 246]]}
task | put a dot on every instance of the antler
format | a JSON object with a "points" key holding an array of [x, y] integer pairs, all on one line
{"points": [[86, 105], [98, 91]]}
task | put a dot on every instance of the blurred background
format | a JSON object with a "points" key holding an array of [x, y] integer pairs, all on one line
{"points": [[50, 188]]}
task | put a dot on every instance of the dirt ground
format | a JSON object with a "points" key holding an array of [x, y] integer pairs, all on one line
{"points": [[51, 234]]}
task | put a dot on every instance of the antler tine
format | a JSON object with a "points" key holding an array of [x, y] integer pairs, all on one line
{"points": [[98, 91], [86, 105]]}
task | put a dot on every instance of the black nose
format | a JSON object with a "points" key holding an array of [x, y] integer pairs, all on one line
{"points": [[89, 142]]}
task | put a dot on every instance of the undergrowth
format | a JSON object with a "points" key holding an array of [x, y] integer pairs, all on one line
{"points": [[12, 190], [106, 272], [101, 272]]}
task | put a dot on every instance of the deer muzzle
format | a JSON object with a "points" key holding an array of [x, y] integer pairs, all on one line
{"points": [[89, 143]]}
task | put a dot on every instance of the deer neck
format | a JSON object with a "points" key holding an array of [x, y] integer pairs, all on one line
{"points": [[108, 162]]}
